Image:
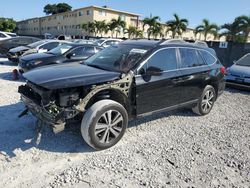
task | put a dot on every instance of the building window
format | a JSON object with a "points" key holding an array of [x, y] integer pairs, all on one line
{"points": [[81, 13], [88, 12], [102, 13], [123, 17]]}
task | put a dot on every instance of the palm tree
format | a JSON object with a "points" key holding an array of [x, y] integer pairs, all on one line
{"points": [[151, 22], [156, 30], [232, 30], [100, 27], [117, 25], [131, 31], [89, 27], [139, 33], [177, 26], [244, 24], [207, 28]]}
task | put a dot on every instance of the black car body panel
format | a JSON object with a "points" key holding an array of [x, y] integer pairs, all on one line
{"points": [[69, 75], [148, 86], [32, 61]]}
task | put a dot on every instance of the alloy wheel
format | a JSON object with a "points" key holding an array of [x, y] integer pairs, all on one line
{"points": [[109, 126], [207, 101]]}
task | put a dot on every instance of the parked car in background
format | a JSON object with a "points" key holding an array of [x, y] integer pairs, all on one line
{"points": [[7, 44], [238, 75], [106, 42], [6, 35], [37, 47], [82, 41], [65, 53], [132, 79]]}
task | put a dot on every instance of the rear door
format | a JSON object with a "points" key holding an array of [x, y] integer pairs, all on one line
{"points": [[194, 73], [156, 86]]}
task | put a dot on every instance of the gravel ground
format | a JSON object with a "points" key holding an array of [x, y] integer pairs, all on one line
{"points": [[175, 149]]}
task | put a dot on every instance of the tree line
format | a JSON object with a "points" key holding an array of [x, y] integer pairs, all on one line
{"points": [[236, 31], [7, 24]]}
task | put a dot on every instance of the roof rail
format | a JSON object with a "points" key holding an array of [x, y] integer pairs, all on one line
{"points": [[172, 41], [200, 43]]}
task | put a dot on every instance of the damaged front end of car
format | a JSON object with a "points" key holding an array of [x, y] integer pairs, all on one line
{"points": [[55, 107], [52, 107]]}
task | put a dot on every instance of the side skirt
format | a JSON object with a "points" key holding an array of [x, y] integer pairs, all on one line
{"points": [[182, 105]]}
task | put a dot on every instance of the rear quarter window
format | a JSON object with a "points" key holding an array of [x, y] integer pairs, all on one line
{"points": [[208, 58], [190, 58]]}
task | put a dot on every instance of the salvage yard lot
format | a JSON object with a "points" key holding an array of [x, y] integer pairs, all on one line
{"points": [[165, 150]]}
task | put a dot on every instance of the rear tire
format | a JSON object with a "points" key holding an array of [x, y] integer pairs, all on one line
{"points": [[206, 101], [104, 124]]}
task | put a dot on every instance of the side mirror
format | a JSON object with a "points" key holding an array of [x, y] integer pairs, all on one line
{"points": [[234, 61], [154, 71]]}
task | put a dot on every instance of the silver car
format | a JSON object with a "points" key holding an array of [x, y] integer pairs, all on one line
{"points": [[239, 74]]}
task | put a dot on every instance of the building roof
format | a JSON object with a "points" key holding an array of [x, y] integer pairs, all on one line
{"points": [[110, 9], [96, 7]]}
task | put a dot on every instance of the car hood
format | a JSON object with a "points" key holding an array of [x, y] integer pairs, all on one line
{"points": [[37, 56], [19, 49], [69, 75], [238, 70]]}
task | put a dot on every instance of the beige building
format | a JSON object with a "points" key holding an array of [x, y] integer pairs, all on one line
{"points": [[69, 23]]}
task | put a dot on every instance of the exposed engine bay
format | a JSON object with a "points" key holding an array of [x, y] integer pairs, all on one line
{"points": [[55, 107]]}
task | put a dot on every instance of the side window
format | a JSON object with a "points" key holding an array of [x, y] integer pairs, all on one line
{"points": [[163, 60], [89, 50], [190, 58], [49, 46], [209, 59], [78, 52]]}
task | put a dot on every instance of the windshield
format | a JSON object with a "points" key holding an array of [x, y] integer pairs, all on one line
{"points": [[12, 34], [119, 58], [59, 50], [99, 42], [35, 44], [244, 61]]}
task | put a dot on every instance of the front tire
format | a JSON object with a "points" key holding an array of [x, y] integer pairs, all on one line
{"points": [[206, 102], [104, 124]]}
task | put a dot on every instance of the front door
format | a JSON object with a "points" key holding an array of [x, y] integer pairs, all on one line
{"points": [[157, 82]]}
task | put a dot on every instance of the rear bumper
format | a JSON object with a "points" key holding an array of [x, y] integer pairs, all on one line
{"points": [[238, 85], [238, 82]]}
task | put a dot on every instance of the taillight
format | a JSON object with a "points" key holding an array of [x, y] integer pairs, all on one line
{"points": [[223, 70]]}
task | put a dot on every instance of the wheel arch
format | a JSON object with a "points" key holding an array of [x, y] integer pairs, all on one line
{"points": [[112, 94]]}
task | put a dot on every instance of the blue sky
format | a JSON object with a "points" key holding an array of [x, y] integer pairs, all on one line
{"points": [[217, 11]]}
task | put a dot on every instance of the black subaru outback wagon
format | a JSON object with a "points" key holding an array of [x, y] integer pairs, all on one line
{"points": [[132, 79]]}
